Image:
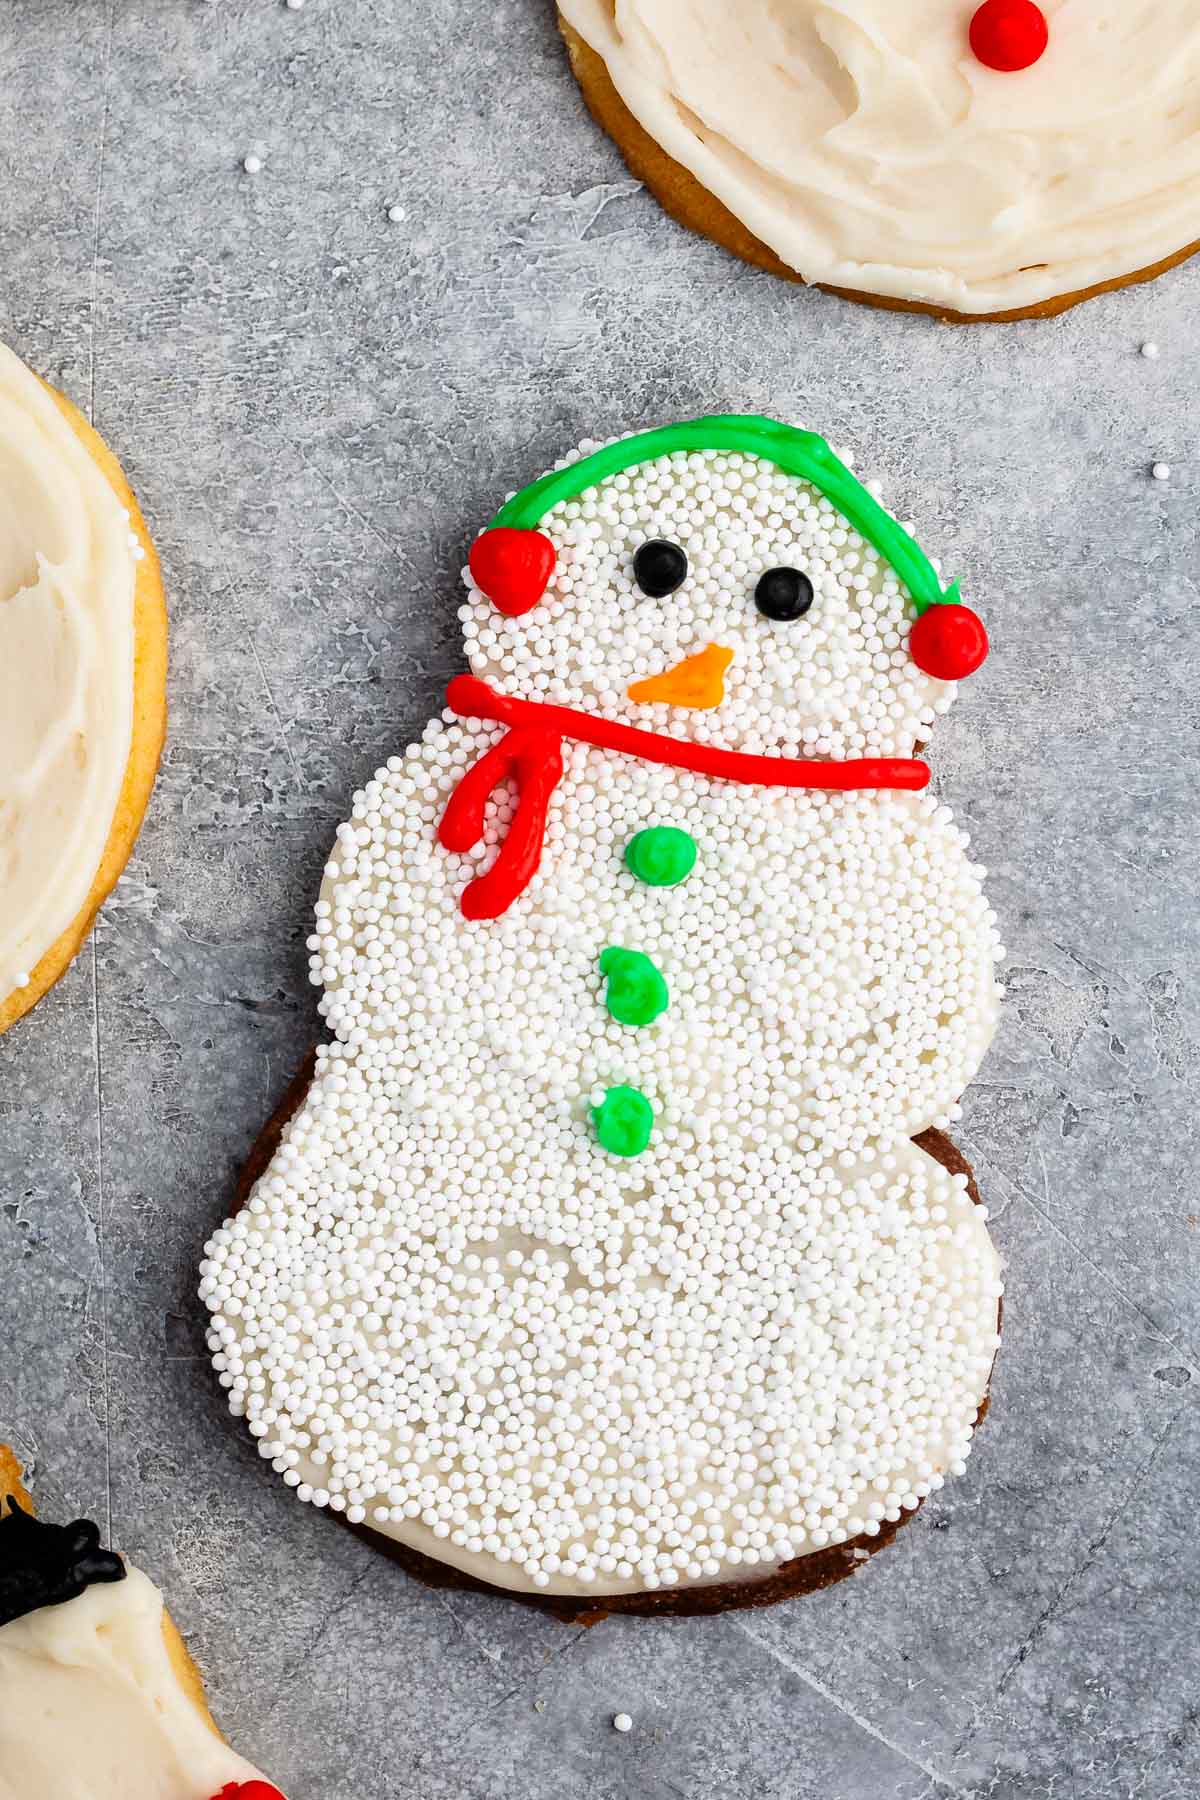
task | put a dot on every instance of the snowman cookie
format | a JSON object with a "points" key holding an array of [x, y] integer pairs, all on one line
{"points": [[998, 160], [98, 1694], [595, 1259], [83, 655]]}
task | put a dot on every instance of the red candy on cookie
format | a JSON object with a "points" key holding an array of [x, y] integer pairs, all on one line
{"points": [[1009, 34], [512, 567], [948, 642], [248, 1790]]}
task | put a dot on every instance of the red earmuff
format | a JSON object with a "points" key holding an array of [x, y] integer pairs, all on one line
{"points": [[948, 642], [512, 567]]}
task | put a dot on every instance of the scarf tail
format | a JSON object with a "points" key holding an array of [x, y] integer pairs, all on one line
{"points": [[533, 760]]}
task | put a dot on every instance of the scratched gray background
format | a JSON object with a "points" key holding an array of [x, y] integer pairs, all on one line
{"points": [[318, 407]]}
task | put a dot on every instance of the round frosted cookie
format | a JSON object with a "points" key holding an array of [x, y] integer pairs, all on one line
{"points": [[870, 149], [83, 655], [100, 1692], [612, 1253]]}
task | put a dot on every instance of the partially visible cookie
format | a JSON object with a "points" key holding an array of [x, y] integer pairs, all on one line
{"points": [[863, 147], [83, 662], [99, 1691]]}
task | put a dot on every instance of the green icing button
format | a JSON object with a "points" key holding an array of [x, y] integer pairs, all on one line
{"points": [[662, 855], [624, 1120], [637, 992]]}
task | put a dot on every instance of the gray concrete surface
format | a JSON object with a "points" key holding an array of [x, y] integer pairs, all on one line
{"points": [[317, 408]]}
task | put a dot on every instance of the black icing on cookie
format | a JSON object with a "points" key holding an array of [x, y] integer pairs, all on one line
{"points": [[42, 1565]]}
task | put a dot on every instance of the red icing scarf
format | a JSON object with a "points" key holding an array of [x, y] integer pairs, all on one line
{"points": [[530, 752]]}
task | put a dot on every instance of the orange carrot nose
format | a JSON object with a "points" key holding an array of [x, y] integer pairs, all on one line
{"points": [[696, 681]]}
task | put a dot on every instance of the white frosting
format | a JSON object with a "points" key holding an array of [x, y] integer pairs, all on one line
{"points": [[865, 144], [446, 1310], [91, 1708], [66, 669]]}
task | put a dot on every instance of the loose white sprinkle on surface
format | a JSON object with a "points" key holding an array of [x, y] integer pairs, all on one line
{"points": [[622, 1722], [1149, 351], [1161, 471], [396, 214], [252, 164]]}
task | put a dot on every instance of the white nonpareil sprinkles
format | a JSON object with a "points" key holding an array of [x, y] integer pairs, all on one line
{"points": [[446, 1311]]}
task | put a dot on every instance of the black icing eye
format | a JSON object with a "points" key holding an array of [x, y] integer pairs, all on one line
{"points": [[783, 594], [660, 567]]}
